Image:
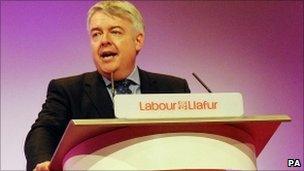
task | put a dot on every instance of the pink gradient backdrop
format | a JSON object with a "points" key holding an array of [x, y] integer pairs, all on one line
{"points": [[255, 48]]}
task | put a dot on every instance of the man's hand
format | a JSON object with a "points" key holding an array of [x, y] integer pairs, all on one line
{"points": [[44, 166]]}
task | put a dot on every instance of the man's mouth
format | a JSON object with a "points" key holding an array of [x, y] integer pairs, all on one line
{"points": [[108, 55]]}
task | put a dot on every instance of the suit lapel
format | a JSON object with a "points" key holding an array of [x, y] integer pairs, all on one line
{"points": [[96, 90], [147, 83]]}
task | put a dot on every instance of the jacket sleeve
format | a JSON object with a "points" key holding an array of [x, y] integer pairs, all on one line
{"points": [[186, 87], [48, 128]]}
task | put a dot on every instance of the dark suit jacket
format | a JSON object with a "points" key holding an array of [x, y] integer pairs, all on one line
{"points": [[82, 97]]}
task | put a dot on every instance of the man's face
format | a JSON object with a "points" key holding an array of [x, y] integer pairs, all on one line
{"points": [[114, 43]]}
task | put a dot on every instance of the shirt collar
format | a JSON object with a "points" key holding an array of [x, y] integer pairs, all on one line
{"points": [[134, 76]]}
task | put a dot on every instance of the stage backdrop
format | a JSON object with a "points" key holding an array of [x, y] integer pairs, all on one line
{"points": [[251, 47]]}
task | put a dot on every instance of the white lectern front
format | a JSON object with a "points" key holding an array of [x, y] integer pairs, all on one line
{"points": [[228, 143]]}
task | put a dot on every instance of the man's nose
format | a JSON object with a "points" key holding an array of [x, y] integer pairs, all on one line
{"points": [[106, 40]]}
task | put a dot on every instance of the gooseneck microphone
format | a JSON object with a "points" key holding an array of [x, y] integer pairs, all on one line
{"points": [[112, 85], [202, 83]]}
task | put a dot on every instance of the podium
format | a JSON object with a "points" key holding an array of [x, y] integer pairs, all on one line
{"points": [[227, 143]]}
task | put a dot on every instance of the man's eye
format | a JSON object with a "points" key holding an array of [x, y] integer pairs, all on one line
{"points": [[116, 32], [94, 35]]}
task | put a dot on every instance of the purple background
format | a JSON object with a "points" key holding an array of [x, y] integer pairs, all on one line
{"points": [[255, 48]]}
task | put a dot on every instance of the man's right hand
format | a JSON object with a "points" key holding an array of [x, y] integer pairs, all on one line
{"points": [[44, 166]]}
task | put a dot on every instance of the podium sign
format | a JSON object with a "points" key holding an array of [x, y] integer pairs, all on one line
{"points": [[195, 105]]}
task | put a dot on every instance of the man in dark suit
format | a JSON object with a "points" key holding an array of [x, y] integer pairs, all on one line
{"points": [[117, 35]]}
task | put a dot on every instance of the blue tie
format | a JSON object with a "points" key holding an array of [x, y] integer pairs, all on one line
{"points": [[123, 86]]}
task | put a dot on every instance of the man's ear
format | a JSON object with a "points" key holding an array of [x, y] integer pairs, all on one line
{"points": [[139, 41]]}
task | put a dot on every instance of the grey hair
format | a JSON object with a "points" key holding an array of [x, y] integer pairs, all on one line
{"points": [[121, 9]]}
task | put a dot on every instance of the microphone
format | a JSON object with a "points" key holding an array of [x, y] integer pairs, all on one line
{"points": [[202, 83], [112, 85]]}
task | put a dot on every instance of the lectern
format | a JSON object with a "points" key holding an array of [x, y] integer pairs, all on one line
{"points": [[228, 143]]}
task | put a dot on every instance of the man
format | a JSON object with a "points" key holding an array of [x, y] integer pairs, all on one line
{"points": [[117, 35]]}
